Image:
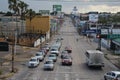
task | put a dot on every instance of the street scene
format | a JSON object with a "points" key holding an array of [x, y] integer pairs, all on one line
{"points": [[59, 46]]}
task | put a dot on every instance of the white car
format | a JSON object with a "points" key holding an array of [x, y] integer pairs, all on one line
{"points": [[42, 52], [55, 51], [49, 64], [52, 57], [40, 56], [33, 62], [112, 75]]}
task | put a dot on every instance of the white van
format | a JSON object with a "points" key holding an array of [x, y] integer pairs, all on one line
{"points": [[94, 58]]}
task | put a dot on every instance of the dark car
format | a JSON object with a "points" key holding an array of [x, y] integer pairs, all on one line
{"points": [[66, 60]]}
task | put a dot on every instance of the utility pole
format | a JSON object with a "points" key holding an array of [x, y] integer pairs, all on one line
{"points": [[14, 50], [40, 39], [12, 58], [111, 43], [99, 39]]}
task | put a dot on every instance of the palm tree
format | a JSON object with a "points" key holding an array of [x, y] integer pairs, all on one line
{"points": [[30, 15], [13, 5], [23, 8]]}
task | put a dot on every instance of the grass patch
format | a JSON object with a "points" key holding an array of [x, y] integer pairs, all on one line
{"points": [[7, 75], [0, 72]]}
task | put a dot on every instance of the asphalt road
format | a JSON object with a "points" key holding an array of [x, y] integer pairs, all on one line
{"points": [[79, 69]]}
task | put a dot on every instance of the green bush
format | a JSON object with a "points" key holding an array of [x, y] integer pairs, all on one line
{"points": [[0, 72]]}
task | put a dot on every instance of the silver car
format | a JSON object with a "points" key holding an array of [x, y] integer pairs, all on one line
{"points": [[40, 56], [112, 75], [49, 65], [52, 57]]}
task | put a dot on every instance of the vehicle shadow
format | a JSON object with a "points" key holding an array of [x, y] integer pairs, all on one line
{"points": [[85, 66]]}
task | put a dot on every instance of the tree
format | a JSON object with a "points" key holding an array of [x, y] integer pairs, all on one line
{"points": [[23, 8], [13, 5], [8, 14]]}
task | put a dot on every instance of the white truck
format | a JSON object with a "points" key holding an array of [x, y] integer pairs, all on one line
{"points": [[94, 58]]}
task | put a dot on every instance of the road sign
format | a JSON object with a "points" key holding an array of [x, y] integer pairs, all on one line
{"points": [[57, 8], [91, 31], [112, 36]]}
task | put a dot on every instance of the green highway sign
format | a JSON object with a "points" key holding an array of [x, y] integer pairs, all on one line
{"points": [[112, 36], [44, 11], [57, 7]]}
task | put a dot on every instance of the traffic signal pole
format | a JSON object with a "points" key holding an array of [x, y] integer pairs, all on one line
{"points": [[99, 39]]}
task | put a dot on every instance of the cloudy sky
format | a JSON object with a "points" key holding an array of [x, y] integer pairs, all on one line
{"points": [[67, 5]]}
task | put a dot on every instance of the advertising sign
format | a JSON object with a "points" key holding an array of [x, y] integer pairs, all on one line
{"points": [[93, 17], [44, 11]]}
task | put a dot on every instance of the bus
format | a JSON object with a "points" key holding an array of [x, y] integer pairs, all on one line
{"points": [[94, 58]]}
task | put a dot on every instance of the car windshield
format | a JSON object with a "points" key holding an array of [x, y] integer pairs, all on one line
{"points": [[38, 54], [66, 57], [48, 62], [32, 59], [51, 55], [53, 49]]}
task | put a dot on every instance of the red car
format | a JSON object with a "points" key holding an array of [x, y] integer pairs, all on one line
{"points": [[68, 49], [67, 60]]}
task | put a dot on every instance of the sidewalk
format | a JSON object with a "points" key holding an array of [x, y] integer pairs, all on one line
{"points": [[114, 59]]}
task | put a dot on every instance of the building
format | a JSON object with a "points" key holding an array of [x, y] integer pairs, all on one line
{"points": [[37, 31], [39, 24], [9, 24]]}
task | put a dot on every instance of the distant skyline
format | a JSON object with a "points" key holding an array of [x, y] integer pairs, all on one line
{"points": [[83, 6]]}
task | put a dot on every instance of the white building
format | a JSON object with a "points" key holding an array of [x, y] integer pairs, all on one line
{"points": [[9, 24]]}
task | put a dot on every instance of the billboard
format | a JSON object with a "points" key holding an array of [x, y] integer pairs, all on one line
{"points": [[44, 12], [93, 17]]}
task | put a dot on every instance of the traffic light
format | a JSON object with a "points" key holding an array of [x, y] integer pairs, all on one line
{"points": [[101, 36]]}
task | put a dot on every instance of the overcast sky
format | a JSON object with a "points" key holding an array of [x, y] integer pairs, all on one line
{"points": [[67, 5]]}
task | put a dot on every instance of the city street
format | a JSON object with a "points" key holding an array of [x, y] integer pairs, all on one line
{"points": [[78, 71]]}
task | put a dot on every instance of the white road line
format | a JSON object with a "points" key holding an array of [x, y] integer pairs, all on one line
{"points": [[77, 79], [66, 76], [56, 78]]}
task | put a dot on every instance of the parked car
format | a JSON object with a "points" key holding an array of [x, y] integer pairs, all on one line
{"points": [[49, 65], [68, 49], [33, 62], [40, 56], [52, 57], [112, 75], [66, 60]]}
